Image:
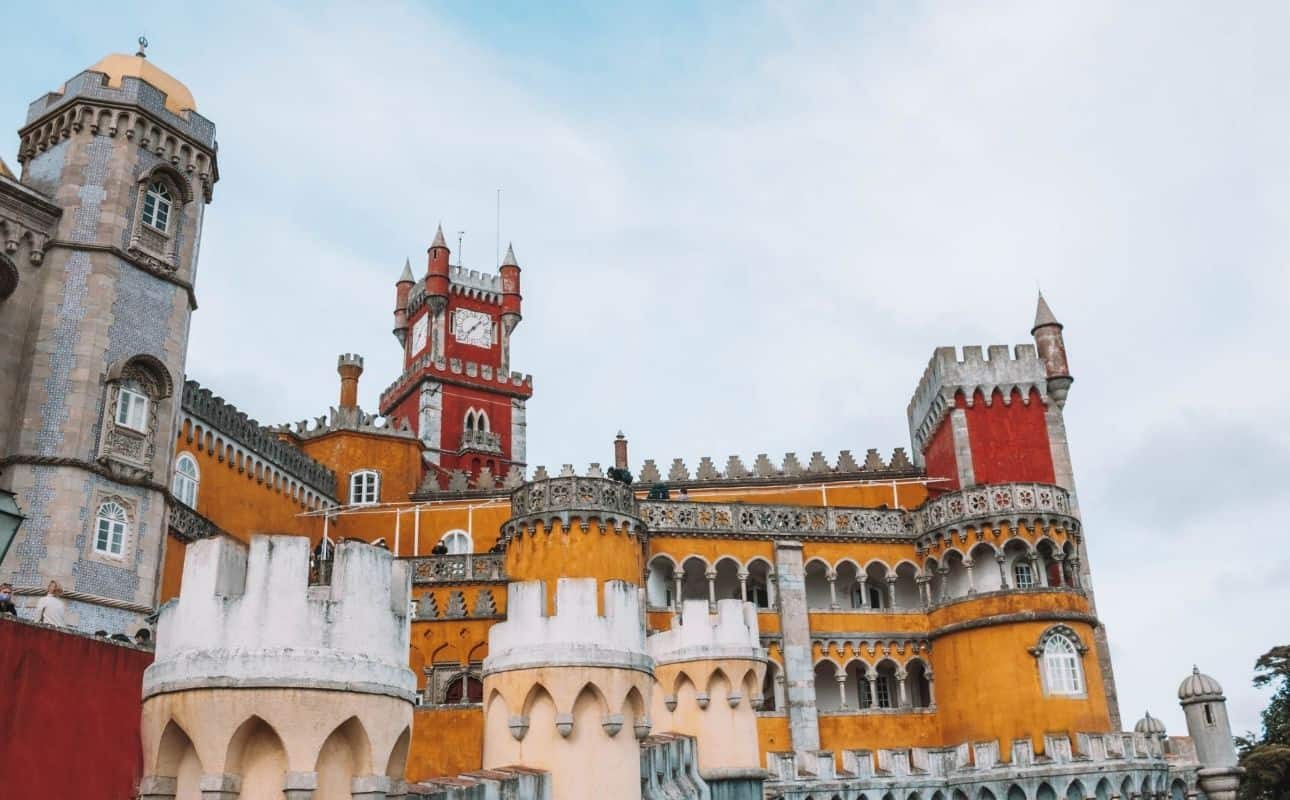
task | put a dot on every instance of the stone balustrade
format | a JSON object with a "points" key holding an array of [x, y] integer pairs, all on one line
{"points": [[485, 441], [470, 568]]}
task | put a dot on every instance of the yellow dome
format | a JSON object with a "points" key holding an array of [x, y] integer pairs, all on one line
{"points": [[119, 65]]}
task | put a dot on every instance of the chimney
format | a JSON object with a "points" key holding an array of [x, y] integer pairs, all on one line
{"points": [[350, 366], [620, 451]]}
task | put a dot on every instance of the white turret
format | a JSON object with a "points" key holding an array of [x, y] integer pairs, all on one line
{"points": [[1205, 707]]}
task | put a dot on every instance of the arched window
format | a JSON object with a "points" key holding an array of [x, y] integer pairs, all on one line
{"points": [[1062, 666], [457, 543], [156, 206], [184, 487], [110, 526], [464, 689], [1023, 576], [470, 420], [364, 488]]}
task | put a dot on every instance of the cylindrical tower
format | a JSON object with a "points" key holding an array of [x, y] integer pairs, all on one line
{"points": [[511, 301], [1052, 351], [402, 289], [576, 527], [264, 686], [350, 367], [437, 273], [708, 677], [567, 680], [1205, 708]]}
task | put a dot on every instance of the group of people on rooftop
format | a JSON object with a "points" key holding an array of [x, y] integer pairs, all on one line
{"points": [[51, 609]]}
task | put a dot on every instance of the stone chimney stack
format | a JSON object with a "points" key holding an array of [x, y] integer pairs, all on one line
{"points": [[350, 367], [620, 451]]}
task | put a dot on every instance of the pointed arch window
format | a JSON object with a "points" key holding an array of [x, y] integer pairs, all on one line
{"points": [[110, 525], [187, 476], [157, 205]]}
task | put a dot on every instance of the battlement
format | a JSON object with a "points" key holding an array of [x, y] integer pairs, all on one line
{"points": [[576, 635], [347, 419], [225, 418], [349, 360], [790, 468], [947, 374], [248, 618], [730, 633], [457, 371], [134, 91], [566, 497], [466, 282]]}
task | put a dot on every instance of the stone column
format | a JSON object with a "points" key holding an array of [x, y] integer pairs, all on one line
{"points": [[299, 785], [158, 787], [901, 677], [743, 586], [872, 677], [832, 578], [1074, 573], [711, 575], [931, 689], [891, 592], [1039, 578], [924, 591], [772, 591], [1060, 558], [220, 787], [1004, 583], [799, 666], [676, 594], [944, 572], [864, 590], [370, 787], [841, 678], [969, 563]]}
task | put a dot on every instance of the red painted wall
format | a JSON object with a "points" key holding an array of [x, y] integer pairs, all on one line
{"points": [[491, 355], [939, 460], [1009, 442], [69, 714]]}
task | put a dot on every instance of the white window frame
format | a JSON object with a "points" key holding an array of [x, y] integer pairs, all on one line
{"points": [[158, 206], [1062, 667], [1020, 565], [458, 536], [111, 525], [365, 488], [883, 686], [185, 484], [132, 409]]}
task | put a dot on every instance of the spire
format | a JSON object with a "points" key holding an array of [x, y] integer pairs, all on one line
{"points": [[406, 277], [438, 239], [510, 260], [1044, 315]]}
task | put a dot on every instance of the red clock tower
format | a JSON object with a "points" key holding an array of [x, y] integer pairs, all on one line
{"points": [[457, 391]]}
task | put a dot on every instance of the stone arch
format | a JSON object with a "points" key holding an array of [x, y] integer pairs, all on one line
{"points": [[345, 754], [1045, 792], [694, 578], [1126, 788], [1177, 790], [8, 277], [396, 764], [984, 793], [536, 694], [906, 587], [151, 368], [760, 573], [165, 172], [718, 674], [1075, 790], [985, 568], [1146, 786], [847, 584], [1015, 792], [257, 754], [178, 758], [727, 570], [815, 574], [660, 584], [634, 704], [827, 695]]}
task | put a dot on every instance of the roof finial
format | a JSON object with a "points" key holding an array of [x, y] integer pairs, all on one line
{"points": [[143, 46]]}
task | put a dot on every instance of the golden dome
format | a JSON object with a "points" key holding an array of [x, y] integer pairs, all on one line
{"points": [[119, 65]]}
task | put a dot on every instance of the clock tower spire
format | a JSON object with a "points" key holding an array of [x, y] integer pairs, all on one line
{"points": [[457, 391]]}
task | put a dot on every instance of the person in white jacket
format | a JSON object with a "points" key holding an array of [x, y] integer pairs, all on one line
{"points": [[52, 608]]}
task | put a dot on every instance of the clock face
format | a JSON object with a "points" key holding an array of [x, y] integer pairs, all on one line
{"points": [[472, 327], [419, 334]]}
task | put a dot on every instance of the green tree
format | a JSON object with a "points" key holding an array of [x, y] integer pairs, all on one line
{"points": [[1266, 759]]}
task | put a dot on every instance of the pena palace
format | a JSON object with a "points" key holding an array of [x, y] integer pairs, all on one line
{"points": [[397, 602]]}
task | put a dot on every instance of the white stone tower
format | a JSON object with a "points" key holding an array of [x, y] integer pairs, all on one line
{"points": [[1205, 707], [265, 685]]}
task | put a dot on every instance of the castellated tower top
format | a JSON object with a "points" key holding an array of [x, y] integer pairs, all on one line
{"points": [[576, 635], [250, 619], [730, 633]]}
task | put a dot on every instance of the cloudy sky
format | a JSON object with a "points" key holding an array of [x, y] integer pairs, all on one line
{"points": [[744, 229]]}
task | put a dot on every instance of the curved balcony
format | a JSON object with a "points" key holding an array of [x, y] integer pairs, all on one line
{"points": [[468, 568], [990, 506], [481, 441]]}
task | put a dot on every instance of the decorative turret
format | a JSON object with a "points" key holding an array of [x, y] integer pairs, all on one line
{"points": [[620, 451], [350, 367], [1052, 351], [1205, 707], [402, 288], [511, 300], [285, 689], [437, 280], [708, 671], [568, 691]]}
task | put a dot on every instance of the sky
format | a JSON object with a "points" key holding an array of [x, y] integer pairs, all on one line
{"points": [[745, 227]]}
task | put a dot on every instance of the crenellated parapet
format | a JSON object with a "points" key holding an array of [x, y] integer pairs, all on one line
{"points": [[248, 618], [947, 376], [454, 370], [763, 470]]}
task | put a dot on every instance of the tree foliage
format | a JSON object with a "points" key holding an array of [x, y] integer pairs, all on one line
{"points": [[1266, 759]]}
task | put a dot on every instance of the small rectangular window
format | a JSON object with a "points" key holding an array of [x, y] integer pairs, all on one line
{"points": [[132, 410]]}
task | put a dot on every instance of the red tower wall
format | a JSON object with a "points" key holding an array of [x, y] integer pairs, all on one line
{"points": [[939, 458], [1009, 442], [82, 697]]}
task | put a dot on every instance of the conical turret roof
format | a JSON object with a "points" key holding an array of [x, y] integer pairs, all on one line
{"points": [[1043, 315], [510, 261], [406, 277], [438, 239]]}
